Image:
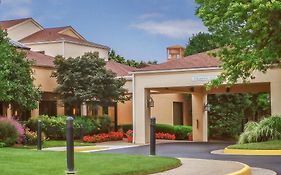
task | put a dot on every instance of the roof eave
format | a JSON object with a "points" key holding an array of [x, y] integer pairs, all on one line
{"points": [[174, 70]]}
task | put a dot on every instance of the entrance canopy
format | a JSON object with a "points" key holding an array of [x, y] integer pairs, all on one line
{"points": [[189, 75]]}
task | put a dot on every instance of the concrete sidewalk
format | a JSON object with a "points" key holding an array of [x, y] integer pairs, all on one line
{"points": [[211, 167], [111, 145]]}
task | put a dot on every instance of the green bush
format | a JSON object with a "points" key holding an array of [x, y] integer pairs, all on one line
{"points": [[180, 131], [104, 124], [8, 133], [31, 137], [55, 127], [126, 127], [265, 130]]}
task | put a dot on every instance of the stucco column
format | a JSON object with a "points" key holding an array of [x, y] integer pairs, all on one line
{"points": [[60, 107], [35, 112], [9, 111], [141, 116], [199, 117], [84, 109], [275, 94]]}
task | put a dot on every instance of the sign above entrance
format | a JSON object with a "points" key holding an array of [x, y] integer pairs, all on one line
{"points": [[203, 78]]}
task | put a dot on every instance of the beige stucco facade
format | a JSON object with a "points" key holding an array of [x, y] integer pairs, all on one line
{"points": [[192, 81], [66, 49], [23, 29]]}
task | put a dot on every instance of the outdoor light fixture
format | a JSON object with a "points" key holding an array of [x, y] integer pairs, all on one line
{"points": [[207, 107], [150, 102]]}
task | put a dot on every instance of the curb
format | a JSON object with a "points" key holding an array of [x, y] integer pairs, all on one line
{"points": [[251, 152], [90, 148], [246, 170]]}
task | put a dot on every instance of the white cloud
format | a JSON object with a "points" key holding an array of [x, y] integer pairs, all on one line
{"points": [[172, 28], [16, 8], [150, 16]]}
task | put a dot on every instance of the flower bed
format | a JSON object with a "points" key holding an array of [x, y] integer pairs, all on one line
{"points": [[112, 136], [165, 136]]}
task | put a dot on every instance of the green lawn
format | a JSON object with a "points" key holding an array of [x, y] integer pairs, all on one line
{"points": [[269, 145], [31, 162], [58, 143]]}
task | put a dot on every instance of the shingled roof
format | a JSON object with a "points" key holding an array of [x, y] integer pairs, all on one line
{"points": [[40, 59], [200, 60], [53, 34], [119, 69], [9, 23]]}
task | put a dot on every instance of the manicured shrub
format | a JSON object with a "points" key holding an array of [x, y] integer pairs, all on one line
{"points": [[126, 127], [265, 130], [104, 124], [8, 132], [180, 131], [55, 127], [31, 137], [165, 128]]}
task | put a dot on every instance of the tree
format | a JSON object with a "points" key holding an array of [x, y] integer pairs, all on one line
{"points": [[200, 42], [130, 62], [85, 79], [248, 33], [16, 80]]}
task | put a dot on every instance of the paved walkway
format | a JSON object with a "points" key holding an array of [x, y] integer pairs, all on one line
{"points": [[204, 167], [202, 151], [97, 147], [211, 167]]}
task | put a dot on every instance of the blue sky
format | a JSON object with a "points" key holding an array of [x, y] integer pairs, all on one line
{"points": [[138, 29]]}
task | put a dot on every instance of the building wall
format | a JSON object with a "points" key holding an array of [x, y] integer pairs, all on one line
{"points": [[196, 79], [74, 50], [163, 108], [22, 30], [51, 49], [125, 113], [44, 80]]}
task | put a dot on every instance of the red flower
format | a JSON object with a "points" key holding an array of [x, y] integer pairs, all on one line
{"points": [[103, 137], [166, 136]]}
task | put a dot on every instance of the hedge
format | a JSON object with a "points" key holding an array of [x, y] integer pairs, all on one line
{"points": [[54, 127], [180, 131]]}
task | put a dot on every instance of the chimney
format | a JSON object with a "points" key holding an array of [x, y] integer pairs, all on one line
{"points": [[175, 52]]}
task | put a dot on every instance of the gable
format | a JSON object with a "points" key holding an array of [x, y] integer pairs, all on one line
{"points": [[23, 29], [71, 32]]}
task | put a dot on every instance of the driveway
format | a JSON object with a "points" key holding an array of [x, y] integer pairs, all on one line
{"points": [[202, 151]]}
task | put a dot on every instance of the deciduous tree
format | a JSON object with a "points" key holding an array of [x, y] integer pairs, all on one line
{"points": [[200, 42], [16, 80], [248, 33], [85, 79]]}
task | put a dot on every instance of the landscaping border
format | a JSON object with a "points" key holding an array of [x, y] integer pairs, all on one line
{"points": [[251, 152]]}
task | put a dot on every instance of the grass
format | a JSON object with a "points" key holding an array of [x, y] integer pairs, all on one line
{"points": [[58, 143], [31, 162], [269, 145]]}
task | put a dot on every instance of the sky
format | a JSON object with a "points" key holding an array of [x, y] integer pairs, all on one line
{"points": [[135, 29]]}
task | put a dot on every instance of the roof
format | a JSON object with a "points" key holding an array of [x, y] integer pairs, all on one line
{"points": [[18, 45], [53, 34], [200, 60], [39, 58], [9, 23], [118, 68]]}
